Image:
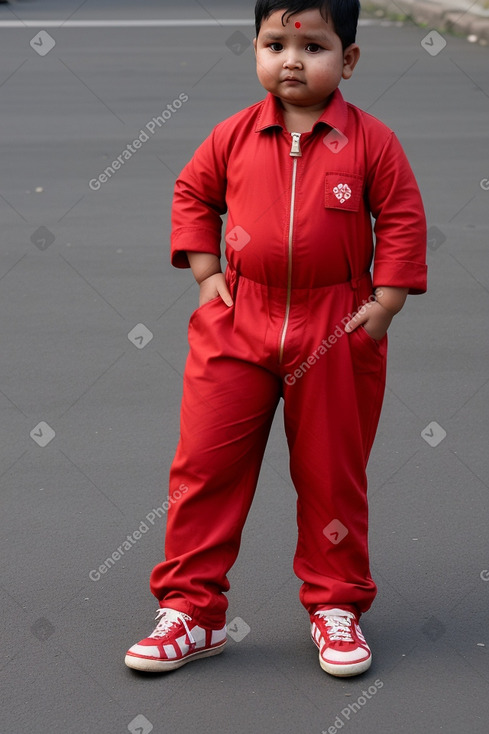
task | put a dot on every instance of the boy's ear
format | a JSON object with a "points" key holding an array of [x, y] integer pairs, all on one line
{"points": [[254, 45], [351, 54]]}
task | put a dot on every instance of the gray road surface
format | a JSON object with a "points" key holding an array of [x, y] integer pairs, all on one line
{"points": [[90, 403]]}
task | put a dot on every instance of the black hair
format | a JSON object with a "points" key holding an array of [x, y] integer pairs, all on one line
{"points": [[343, 13]]}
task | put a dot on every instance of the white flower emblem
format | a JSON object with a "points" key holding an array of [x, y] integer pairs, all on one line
{"points": [[342, 192]]}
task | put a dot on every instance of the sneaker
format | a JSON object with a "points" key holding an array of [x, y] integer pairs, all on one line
{"points": [[175, 641], [343, 650]]}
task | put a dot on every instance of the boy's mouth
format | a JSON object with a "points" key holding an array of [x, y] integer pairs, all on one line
{"points": [[292, 79]]}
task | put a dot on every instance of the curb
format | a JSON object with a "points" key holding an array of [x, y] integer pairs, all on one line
{"points": [[472, 22]]}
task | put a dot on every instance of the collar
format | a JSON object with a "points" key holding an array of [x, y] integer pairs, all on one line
{"points": [[335, 114]]}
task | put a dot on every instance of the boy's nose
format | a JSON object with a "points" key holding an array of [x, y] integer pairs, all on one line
{"points": [[292, 63]]}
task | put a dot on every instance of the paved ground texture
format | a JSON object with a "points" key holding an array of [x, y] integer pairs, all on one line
{"points": [[93, 343]]}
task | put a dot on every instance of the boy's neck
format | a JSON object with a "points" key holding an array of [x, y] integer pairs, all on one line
{"points": [[298, 122], [301, 119]]}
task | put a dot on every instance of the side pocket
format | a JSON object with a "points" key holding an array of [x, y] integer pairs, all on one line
{"points": [[368, 354], [202, 308]]}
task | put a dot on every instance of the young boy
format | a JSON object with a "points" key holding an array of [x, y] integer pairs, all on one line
{"points": [[296, 316]]}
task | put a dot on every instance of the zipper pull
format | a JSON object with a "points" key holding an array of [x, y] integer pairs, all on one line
{"points": [[295, 150]]}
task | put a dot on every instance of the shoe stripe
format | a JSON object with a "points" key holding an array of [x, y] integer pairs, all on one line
{"points": [[194, 640], [182, 644], [170, 652], [217, 636], [360, 633], [317, 637]]}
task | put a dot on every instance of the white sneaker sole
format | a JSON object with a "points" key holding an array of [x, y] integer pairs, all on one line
{"points": [[346, 670], [152, 665]]}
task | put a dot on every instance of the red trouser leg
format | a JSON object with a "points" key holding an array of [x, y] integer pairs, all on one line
{"points": [[332, 397], [227, 410], [332, 407]]}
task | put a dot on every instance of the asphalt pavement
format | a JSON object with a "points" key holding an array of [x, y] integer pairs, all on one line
{"points": [[93, 345]]}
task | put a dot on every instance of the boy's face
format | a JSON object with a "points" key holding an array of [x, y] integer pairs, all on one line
{"points": [[303, 62]]}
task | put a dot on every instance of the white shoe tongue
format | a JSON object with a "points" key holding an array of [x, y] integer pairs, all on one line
{"points": [[336, 613], [172, 614]]}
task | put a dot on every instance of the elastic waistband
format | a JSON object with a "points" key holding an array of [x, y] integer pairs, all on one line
{"points": [[355, 282]]}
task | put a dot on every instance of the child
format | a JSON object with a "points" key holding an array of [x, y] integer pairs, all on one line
{"points": [[296, 316]]}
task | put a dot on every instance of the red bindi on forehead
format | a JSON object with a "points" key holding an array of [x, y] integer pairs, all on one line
{"points": [[298, 24]]}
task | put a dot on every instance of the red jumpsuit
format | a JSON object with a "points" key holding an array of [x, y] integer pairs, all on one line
{"points": [[299, 251]]}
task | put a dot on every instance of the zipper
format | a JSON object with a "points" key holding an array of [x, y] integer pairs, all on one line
{"points": [[295, 153]]}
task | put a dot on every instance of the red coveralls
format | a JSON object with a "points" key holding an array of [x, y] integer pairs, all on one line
{"points": [[299, 250]]}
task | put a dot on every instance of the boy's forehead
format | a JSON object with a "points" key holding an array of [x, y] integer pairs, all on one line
{"points": [[305, 20]]}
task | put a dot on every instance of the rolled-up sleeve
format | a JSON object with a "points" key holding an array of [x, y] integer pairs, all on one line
{"points": [[199, 201], [400, 222]]}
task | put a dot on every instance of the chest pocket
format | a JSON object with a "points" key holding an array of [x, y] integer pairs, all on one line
{"points": [[343, 191]]}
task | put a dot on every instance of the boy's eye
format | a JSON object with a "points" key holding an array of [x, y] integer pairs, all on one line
{"points": [[312, 48]]}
